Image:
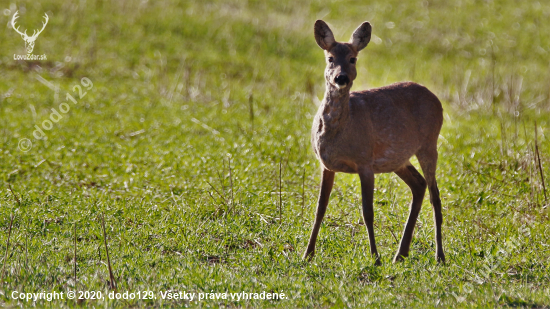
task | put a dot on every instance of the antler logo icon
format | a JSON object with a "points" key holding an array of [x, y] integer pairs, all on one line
{"points": [[29, 40]]}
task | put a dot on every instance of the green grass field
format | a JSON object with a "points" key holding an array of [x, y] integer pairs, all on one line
{"points": [[194, 144]]}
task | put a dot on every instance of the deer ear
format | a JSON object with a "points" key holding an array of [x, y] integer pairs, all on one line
{"points": [[361, 36], [323, 35]]}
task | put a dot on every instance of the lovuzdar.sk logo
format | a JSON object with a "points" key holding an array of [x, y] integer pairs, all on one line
{"points": [[29, 40]]}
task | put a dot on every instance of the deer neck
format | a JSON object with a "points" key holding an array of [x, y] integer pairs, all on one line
{"points": [[335, 107]]}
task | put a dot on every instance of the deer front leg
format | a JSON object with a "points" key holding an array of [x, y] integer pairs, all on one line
{"points": [[324, 195], [367, 191]]}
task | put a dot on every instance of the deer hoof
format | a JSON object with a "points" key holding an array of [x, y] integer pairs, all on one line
{"points": [[398, 258], [308, 256]]}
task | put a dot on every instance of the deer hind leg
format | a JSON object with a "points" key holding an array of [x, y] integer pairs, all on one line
{"points": [[428, 162], [417, 183]]}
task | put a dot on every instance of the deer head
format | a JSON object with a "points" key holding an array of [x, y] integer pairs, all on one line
{"points": [[29, 40], [341, 57]]}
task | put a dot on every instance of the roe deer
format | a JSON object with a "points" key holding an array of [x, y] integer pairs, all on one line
{"points": [[374, 131]]}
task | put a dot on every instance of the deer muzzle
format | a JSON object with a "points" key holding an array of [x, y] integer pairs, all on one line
{"points": [[341, 80]]}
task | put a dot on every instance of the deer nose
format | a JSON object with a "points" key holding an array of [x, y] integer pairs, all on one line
{"points": [[342, 79]]}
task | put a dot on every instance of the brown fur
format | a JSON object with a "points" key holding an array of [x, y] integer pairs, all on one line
{"points": [[374, 131]]}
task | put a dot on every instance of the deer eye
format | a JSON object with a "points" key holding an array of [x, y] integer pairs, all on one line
{"points": [[330, 59], [353, 60]]}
